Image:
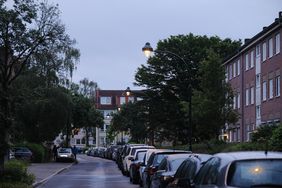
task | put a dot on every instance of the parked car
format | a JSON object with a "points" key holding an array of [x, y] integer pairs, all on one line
{"points": [[188, 170], [124, 152], [134, 175], [22, 153], [153, 162], [144, 164], [130, 154], [167, 169], [241, 169], [65, 154]]}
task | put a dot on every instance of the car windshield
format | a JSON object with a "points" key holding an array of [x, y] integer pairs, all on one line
{"points": [[140, 155], [21, 150], [65, 150], [255, 172], [174, 164]]}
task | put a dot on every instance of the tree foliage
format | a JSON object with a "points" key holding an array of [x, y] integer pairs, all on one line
{"points": [[181, 62], [32, 37]]}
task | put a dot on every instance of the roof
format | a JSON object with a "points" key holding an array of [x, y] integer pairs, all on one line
{"points": [[249, 42]]}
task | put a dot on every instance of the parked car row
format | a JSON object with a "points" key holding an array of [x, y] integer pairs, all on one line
{"points": [[162, 168]]}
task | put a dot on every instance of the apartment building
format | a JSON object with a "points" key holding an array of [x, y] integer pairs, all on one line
{"points": [[254, 73], [108, 102]]}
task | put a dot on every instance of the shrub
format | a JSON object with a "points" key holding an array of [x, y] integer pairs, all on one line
{"points": [[16, 171], [14, 185], [263, 132], [276, 139]]}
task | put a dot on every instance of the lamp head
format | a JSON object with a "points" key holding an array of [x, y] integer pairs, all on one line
{"points": [[127, 91], [147, 49]]}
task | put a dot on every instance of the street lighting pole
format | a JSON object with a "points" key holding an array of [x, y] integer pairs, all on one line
{"points": [[147, 49]]}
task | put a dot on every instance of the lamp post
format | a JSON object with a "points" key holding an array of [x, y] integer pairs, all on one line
{"points": [[147, 49]]}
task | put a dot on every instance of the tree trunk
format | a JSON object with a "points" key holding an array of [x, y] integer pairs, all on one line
{"points": [[86, 136], [4, 124]]}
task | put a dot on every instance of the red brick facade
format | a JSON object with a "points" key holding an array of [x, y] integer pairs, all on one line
{"points": [[254, 74]]}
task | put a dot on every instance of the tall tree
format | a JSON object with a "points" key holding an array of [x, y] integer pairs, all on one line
{"points": [[168, 78], [27, 28], [213, 101]]}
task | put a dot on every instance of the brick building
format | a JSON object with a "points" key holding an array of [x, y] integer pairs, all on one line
{"points": [[108, 102], [254, 74]]}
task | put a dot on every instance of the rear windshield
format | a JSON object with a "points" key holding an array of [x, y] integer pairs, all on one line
{"points": [[65, 150], [158, 159], [175, 163], [140, 155], [255, 173]]}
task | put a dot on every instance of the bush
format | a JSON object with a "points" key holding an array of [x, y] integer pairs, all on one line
{"points": [[276, 139], [246, 146], [263, 132], [16, 171], [14, 185]]}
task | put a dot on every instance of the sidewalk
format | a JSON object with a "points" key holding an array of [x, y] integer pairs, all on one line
{"points": [[44, 171]]}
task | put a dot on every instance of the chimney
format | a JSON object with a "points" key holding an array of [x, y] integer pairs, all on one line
{"points": [[264, 28], [247, 40], [280, 14]]}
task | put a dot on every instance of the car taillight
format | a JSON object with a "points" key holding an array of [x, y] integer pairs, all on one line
{"points": [[152, 170]]}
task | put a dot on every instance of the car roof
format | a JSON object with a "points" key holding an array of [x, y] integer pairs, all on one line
{"points": [[246, 155], [177, 155]]}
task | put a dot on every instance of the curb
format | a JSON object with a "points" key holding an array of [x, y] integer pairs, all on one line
{"points": [[36, 184]]}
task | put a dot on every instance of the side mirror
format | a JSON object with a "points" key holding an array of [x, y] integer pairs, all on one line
{"points": [[131, 158]]}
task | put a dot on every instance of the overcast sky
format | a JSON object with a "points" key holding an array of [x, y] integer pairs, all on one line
{"points": [[111, 33]]}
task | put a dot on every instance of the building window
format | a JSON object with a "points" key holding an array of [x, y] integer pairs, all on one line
{"points": [[130, 99], [77, 141], [252, 95], [270, 48], [238, 67], [247, 97], [226, 73], [106, 100], [238, 100], [258, 50], [270, 88], [234, 69], [230, 72], [258, 111], [247, 62], [277, 43], [258, 80], [252, 59], [122, 100], [277, 82], [264, 91], [264, 51]]}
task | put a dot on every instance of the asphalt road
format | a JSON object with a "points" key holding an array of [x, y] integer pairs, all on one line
{"points": [[90, 172]]}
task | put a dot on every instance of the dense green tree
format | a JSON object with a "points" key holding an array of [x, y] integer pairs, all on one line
{"points": [[212, 103], [28, 30], [168, 81], [85, 115], [40, 112], [131, 119]]}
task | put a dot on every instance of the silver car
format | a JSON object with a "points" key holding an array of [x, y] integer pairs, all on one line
{"points": [[65, 154], [241, 169]]}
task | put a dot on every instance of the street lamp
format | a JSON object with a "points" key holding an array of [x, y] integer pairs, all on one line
{"points": [[147, 49], [127, 91]]}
